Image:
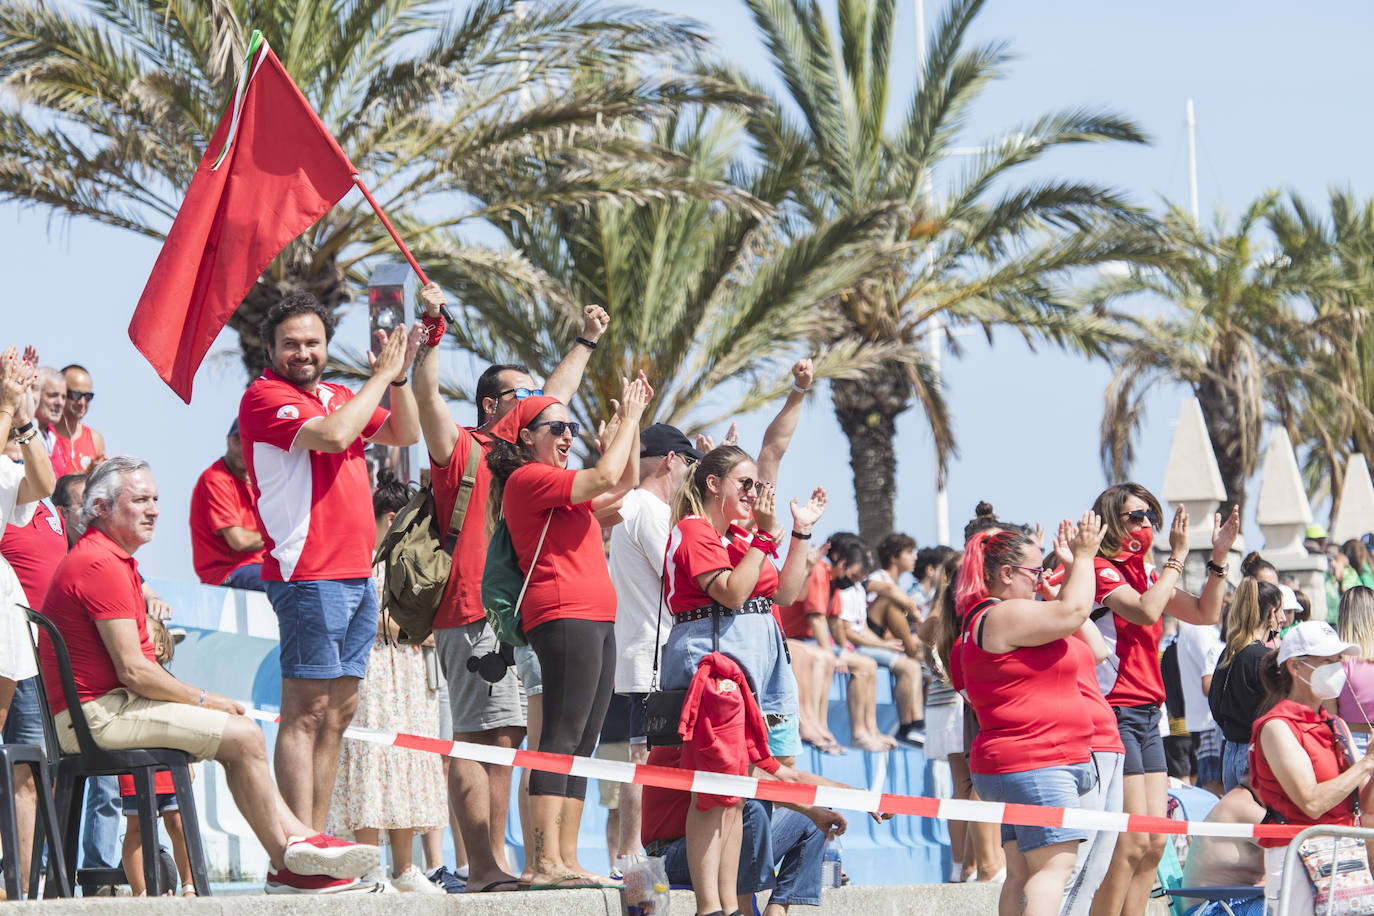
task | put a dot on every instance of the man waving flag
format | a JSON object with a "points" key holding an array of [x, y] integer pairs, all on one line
{"points": [[271, 170]]}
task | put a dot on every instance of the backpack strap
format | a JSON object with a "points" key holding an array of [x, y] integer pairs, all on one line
{"points": [[540, 546], [465, 488]]}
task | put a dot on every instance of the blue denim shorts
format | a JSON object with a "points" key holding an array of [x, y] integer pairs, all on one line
{"points": [[1057, 787], [166, 801], [884, 656], [528, 670], [752, 640], [326, 626]]}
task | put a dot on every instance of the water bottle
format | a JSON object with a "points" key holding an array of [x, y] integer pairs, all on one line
{"points": [[830, 864]]}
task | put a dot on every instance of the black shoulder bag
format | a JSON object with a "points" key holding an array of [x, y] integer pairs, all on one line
{"points": [[663, 708]]}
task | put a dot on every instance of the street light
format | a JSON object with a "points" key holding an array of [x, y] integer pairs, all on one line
{"points": [[386, 310]]}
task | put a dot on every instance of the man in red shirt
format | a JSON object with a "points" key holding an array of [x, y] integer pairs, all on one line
{"points": [[79, 446], [304, 443], [52, 400], [226, 544], [483, 713], [95, 600]]}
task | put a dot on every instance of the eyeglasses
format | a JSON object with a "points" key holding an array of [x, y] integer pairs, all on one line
{"points": [[80, 395], [748, 483], [558, 426], [522, 393], [1037, 571], [1136, 516], [686, 459]]}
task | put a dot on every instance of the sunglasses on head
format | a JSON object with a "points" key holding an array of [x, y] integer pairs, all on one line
{"points": [[522, 393], [557, 427], [1139, 516], [748, 483], [80, 395]]}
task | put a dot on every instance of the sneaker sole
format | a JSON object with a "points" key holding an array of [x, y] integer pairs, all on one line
{"points": [[355, 887], [338, 862]]}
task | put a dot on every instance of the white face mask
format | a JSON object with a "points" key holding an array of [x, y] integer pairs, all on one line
{"points": [[1327, 681]]}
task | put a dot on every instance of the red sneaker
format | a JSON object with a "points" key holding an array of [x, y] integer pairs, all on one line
{"points": [[288, 882], [323, 854]]}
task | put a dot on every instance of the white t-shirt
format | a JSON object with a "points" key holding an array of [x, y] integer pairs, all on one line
{"points": [[854, 606], [638, 545], [16, 654], [1199, 648]]}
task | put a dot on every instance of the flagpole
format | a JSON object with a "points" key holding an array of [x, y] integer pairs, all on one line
{"points": [[395, 237]]}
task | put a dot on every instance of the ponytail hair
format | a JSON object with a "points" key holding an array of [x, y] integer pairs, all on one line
{"points": [[948, 631], [1276, 680], [985, 554], [1254, 564], [691, 497]]}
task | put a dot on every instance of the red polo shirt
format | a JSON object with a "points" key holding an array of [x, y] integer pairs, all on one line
{"points": [[695, 547], [794, 618], [314, 508], [462, 602], [220, 500], [570, 580], [98, 580], [34, 550]]}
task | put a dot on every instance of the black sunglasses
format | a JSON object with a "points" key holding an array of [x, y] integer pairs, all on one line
{"points": [[686, 459], [748, 483], [80, 395], [522, 393], [558, 426], [1136, 516]]}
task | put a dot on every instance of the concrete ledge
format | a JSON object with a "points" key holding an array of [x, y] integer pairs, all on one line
{"points": [[912, 900]]}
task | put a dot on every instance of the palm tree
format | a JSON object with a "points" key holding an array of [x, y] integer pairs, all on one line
{"points": [[113, 101], [710, 295], [1233, 331], [989, 252], [1333, 410]]}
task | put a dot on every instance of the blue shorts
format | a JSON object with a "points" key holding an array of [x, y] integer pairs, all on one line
{"points": [[166, 801], [25, 722], [637, 731], [326, 626], [528, 670], [1056, 787], [884, 656], [1139, 728], [784, 736], [753, 640]]}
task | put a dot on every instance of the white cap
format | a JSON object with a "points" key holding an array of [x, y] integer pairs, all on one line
{"points": [[1314, 637], [1290, 599]]}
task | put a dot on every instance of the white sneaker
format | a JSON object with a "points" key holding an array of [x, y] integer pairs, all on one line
{"points": [[413, 881], [323, 854]]}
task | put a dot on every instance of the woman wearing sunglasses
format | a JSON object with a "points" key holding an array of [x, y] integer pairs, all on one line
{"points": [[720, 588], [1302, 766], [1131, 596], [1018, 665], [555, 515]]}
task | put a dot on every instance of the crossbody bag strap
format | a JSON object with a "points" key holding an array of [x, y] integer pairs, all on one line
{"points": [[521, 598], [658, 619], [465, 488]]}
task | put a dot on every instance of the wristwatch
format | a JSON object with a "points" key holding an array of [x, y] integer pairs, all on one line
{"points": [[1218, 570]]}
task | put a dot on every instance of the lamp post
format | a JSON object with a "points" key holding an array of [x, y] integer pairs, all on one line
{"points": [[386, 310]]}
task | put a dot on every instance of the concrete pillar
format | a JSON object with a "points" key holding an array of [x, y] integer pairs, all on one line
{"points": [[1355, 515], [1283, 513], [1193, 480]]}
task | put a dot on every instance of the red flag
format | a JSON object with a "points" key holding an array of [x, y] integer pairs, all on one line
{"points": [[271, 170]]}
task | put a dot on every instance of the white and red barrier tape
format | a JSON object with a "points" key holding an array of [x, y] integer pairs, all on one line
{"points": [[945, 809]]}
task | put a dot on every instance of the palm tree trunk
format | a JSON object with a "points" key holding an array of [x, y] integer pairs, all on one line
{"points": [[1223, 418], [867, 410]]}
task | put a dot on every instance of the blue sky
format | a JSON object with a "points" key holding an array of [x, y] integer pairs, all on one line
{"points": [[1276, 87]]}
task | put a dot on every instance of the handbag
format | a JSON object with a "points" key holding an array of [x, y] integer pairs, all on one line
{"points": [[663, 708]]}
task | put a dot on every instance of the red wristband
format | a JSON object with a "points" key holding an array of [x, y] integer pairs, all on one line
{"points": [[435, 325], [765, 543]]}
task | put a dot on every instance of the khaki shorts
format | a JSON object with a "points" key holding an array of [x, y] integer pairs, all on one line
{"points": [[610, 791], [120, 720]]}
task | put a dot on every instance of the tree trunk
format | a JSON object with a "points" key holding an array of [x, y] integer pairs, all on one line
{"points": [[867, 410], [1223, 419], [291, 272]]}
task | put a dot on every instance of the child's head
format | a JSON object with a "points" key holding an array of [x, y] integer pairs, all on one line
{"points": [[163, 647]]}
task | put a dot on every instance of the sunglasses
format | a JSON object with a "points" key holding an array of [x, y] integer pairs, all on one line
{"points": [[522, 393], [686, 459], [80, 395], [1137, 516], [748, 483], [1037, 571], [557, 427]]}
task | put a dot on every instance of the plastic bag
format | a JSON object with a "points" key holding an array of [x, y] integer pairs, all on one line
{"points": [[646, 886]]}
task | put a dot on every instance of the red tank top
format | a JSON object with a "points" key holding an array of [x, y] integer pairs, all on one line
{"points": [[1106, 735], [1314, 732], [77, 454], [1030, 711]]}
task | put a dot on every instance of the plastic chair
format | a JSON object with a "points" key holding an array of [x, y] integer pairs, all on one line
{"points": [[45, 824], [140, 763]]}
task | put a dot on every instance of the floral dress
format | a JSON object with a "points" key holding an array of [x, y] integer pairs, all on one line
{"points": [[390, 788]]}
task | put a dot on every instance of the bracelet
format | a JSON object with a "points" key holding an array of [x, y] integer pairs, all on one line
{"points": [[799, 389], [201, 701], [1219, 571], [801, 537], [25, 430], [589, 344], [765, 543], [26, 438], [1176, 565], [400, 383]]}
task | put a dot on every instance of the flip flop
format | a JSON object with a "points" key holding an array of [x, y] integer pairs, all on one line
{"points": [[563, 884], [488, 888]]}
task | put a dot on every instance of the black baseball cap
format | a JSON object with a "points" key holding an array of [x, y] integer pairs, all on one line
{"points": [[660, 439], [234, 427]]}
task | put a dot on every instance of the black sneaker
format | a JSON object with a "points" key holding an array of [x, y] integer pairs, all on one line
{"points": [[451, 883], [914, 735]]}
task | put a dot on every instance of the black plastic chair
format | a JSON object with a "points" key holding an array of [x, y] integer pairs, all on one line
{"points": [[45, 824], [140, 763]]}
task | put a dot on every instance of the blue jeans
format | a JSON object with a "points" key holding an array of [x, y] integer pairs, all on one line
{"points": [[755, 855], [100, 834], [798, 845], [248, 576], [1235, 763]]}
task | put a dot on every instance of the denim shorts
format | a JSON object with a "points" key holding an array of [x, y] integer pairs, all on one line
{"points": [[166, 801], [527, 668], [25, 722], [1235, 763], [326, 625], [1056, 787], [1139, 728], [884, 656], [754, 641]]}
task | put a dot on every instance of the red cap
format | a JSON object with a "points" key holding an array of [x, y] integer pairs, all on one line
{"points": [[509, 426]]}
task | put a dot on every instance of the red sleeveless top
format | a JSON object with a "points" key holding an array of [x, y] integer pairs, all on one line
{"points": [[1314, 731], [1031, 713]]}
